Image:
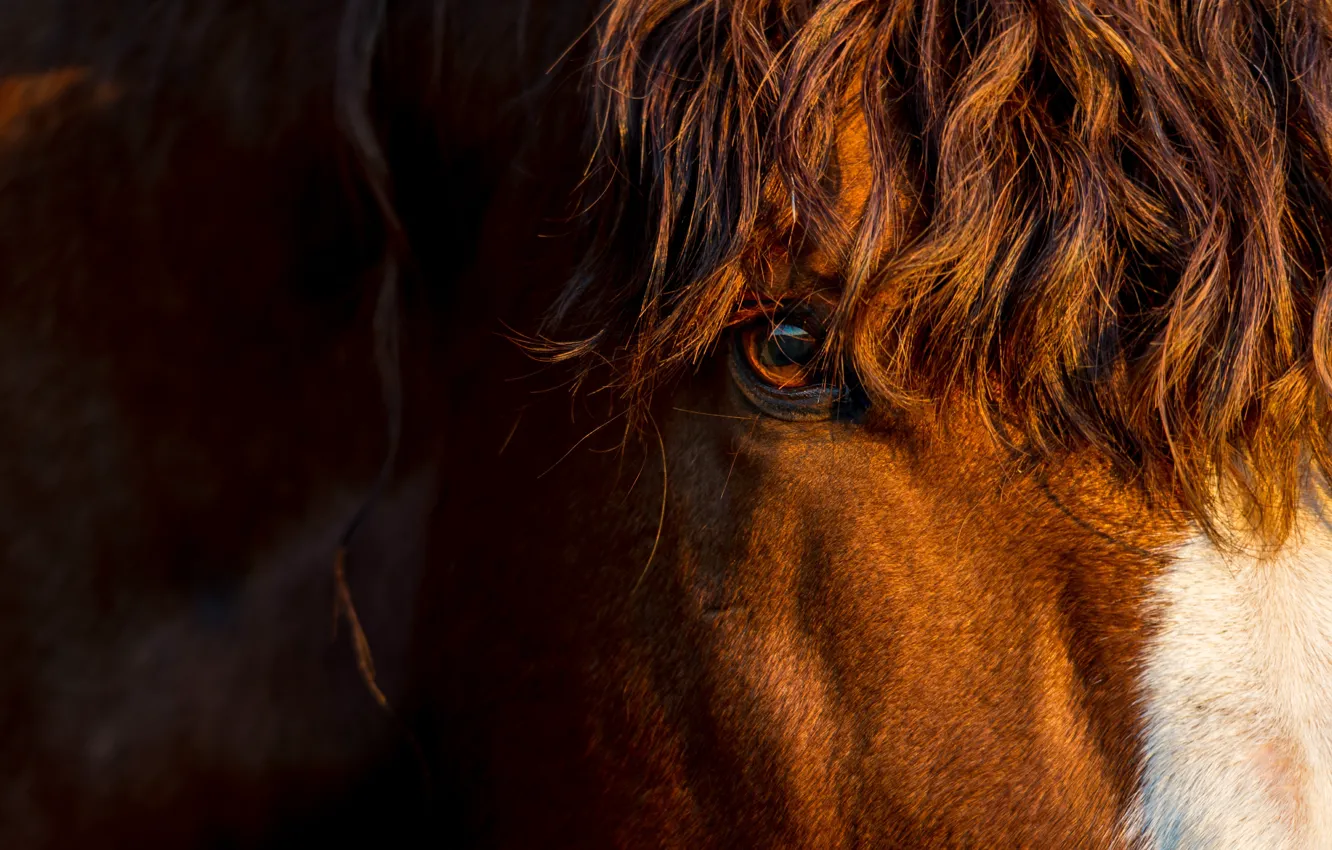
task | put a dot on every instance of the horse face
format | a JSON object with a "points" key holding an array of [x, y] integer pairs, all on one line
{"points": [[777, 615], [745, 629]]}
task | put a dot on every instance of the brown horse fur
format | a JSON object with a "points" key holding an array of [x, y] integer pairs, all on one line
{"points": [[1073, 254]]}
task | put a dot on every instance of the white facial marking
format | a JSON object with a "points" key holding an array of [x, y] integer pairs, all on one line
{"points": [[1237, 689]]}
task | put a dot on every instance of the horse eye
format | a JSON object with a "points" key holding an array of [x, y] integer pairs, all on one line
{"points": [[781, 367]]}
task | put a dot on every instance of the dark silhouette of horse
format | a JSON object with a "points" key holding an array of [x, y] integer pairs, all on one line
{"points": [[765, 423]]}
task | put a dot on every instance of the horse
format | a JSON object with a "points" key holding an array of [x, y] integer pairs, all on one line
{"points": [[622, 423]]}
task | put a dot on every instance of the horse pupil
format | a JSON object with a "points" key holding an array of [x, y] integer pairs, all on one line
{"points": [[788, 345]]}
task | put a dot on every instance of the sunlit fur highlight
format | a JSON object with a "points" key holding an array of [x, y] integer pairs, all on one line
{"points": [[1102, 224]]}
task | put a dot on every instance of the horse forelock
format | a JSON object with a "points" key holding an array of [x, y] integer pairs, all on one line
{"points": [[1099, 224]]}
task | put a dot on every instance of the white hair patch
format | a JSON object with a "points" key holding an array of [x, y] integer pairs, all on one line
{"points": [[1237, 698]]}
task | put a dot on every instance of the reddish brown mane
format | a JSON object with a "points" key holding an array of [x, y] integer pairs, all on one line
{"points": [[1103, 224]]}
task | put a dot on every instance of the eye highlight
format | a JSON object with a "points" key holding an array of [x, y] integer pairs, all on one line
{"points": [[780, 367]]}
